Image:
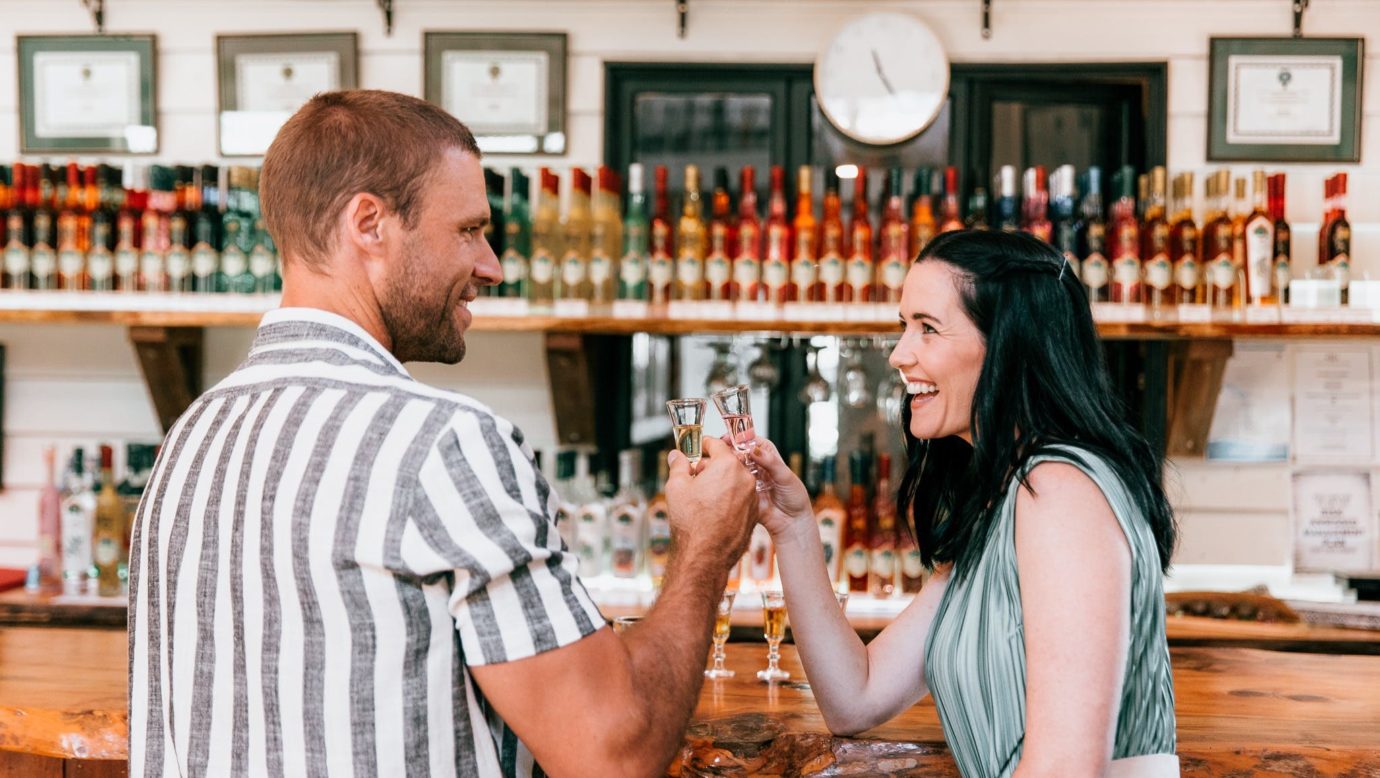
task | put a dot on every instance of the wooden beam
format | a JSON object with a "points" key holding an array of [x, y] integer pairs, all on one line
{"points": [[572, 388], [171, 359], [1196, 369]]}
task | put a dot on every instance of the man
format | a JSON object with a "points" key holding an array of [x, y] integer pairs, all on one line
{"points": [[337, 570]]}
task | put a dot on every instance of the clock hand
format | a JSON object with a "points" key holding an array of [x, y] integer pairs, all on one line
{"points": [[877, 63]]}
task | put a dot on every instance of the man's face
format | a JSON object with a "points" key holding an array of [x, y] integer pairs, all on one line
{"points": [[439, 264]]}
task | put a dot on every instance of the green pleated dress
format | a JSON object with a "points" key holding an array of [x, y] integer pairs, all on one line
{"points": [[975, 653]]}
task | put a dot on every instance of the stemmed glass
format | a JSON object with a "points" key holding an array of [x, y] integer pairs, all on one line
{"points": [[722, 619], [736, 410], [774, 629], [687, 422]]}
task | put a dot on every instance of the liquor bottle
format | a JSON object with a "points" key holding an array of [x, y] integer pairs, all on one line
{"points": [[18, 239], [949, 217], [881, 582], [1283, 246], [718, 263], [153, 273], [572, 282], [238, 231], [42, 256], [78, 515], [1064, 222], [50, 525], [591, 520], [1334, 251], [1154, 250], [1240, 211], [139, 458], [1260, 247], [858, 534], [179, 255], [71, 255], [1092, 241], [659, 527], [100, 262], [108, 535], [1007, 206], [691, 241], [833, 240], [1035, 206], [207, 277], [747, 263], [1184, 244], [805, 285], [628, 518], [1142, 195], [1124, 241], [494, 232], [546, 239], [517, 237], [263, 261], [922, 224], [632, 268], [831, 517], [606, 237], [567, 509], [894, 245], [910, 576], [1218, 266], [977, 210], [661, 268], [861, 274], [126, 247], [776, 256], [759, 563]]}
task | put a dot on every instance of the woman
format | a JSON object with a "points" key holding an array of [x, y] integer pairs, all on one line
{"points": [[1041, 633]]}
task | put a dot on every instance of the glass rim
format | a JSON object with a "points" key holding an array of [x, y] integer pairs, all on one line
{"points": [[732, 390]]}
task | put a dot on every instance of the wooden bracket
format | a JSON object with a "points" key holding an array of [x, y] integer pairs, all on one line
{"points": [[386, 6], [97, 10], [986, 19], [1299, 7], [1195, 380], [572, 388], [171, 359], [683, 17]]}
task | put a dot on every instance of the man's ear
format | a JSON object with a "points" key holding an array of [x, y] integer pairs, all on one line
{"points": [[362, 224]]}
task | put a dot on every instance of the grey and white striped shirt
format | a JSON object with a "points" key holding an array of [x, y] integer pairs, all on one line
{"points": [[324, 546]]}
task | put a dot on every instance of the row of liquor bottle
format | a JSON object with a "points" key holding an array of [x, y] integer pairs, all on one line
{"points": [[138, 228], [627, 535], [84, 521], [1144, 247]]}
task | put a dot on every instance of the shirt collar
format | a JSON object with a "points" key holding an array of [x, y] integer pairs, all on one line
{"points": [[278, 325]]}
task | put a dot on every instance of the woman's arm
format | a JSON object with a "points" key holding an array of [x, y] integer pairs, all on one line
{"points": [[1074, 565], [856, 686]]}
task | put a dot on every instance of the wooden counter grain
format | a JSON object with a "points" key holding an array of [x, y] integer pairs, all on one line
{"points": [[1240, 711]]}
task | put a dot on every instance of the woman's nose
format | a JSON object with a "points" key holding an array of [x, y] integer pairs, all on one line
{"points": [[900, 356]]}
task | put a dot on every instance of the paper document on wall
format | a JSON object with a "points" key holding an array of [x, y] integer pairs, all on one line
{"points": [[1251, 422], [1332, 405], [1334, 526]]}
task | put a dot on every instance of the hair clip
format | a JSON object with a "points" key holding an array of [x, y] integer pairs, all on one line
{"points": [[1063, 267]]}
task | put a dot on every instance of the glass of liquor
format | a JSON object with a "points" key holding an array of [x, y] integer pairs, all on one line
{"points": [[774, 629], [622, 624], [735, 408], [687, 422], [722, 617]]}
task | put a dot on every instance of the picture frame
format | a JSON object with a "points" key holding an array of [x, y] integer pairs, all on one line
{"points": [[1285, 99], [263, 79], [88, 94], [508, 88]]}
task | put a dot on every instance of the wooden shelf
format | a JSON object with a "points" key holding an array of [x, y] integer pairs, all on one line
{"points": [[499, 315]]}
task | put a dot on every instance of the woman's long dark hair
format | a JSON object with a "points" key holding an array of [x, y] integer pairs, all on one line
{"points": [[1043, 383]]}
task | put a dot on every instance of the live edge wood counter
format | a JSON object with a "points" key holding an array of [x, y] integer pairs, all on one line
{"points": [[1240, 712]]}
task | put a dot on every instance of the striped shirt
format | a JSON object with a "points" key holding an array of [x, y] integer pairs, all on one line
{"points": [[324, 547]]}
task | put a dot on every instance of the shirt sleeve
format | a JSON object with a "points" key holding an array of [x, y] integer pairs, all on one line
{"points": [[482, 515]]}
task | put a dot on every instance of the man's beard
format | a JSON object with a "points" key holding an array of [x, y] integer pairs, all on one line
{"points": [[419, 317]]}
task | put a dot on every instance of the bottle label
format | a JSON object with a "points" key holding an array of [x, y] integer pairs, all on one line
{"points": [[573, 270], [70, 262], [829, 537], [1260, 247], [16, 260], [625, 542], [126, 263], [44, 261], [234, 262], [884, 563], [775, 274], [717, 270], [514, 267], [912, 566], [661, 271], [804, 272], [690, 270], [894, 274], [1341, 269], [204, 261], [1187, 272], [855, 561], [859, 273], [632, 270], [1127, 271], [101, 266], [1222, 271], [543, 268], [107, 551], [1095, 271], [151, 264], [600, 269], [1159, 273], [179, 263], [831, 270], [262, 263], [747, 271]]}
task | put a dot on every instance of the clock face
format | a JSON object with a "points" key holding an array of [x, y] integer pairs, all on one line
{"points": [[883, 79]]}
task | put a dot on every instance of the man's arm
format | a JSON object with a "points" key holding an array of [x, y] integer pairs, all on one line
{"points": [[605, 706]]}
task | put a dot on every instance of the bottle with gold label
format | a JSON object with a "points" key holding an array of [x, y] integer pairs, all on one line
{"points": [[1283, 248], [691, 241], [1240, 211], [833, 240], [723, 237], [107, 540], [857, 559], [606, 237], [661, 267], [1218, 262], [776, 248], [805, 254], [1259, 235], [573, 281], [831, 518], [747, 263], [1124, 240], [881, 580], [547, 245], [1183, 243], [1155, 242], [894, 244], [861, 272]]}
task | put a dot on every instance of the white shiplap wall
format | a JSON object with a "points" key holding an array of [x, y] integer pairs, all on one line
{"points": [[82, 383]]}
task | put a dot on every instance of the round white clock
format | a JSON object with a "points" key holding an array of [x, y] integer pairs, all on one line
{"points": [[883, 78]]}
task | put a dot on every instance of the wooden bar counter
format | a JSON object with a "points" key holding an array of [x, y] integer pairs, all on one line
{"points": [[1241, 712]]}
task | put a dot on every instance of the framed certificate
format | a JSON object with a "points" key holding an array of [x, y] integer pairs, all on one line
{"points": [[87, 94], [508, 88], [1285, 99], [264, 79]]}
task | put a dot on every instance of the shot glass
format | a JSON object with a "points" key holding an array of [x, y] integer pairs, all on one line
{"points": [[735, 407], [687, 422]]}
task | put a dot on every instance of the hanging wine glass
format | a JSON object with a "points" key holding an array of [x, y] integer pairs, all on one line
{"points": [[856, 392], [816, 389], [723, 374], [763, 373]]}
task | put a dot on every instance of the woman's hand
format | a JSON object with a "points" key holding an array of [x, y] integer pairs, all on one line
{"points": [[785, 505]]}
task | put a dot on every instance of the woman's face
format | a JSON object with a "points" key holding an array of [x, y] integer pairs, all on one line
{"points": [[940, 354]]}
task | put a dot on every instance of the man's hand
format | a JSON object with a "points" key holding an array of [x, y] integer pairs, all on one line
{"points": [[713, 511]]}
